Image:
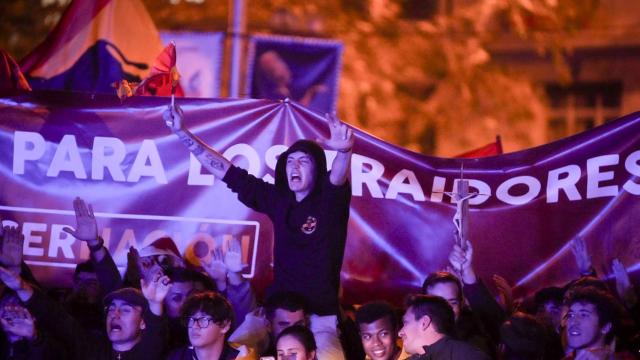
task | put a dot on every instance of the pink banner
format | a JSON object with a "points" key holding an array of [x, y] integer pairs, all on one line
{"points": [[144, 184]]}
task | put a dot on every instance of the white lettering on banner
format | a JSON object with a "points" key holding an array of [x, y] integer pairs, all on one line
{"points": [[271, 159], [570, 176], [595, 176], [412, 187], [437, 189], [366, 172], [27, 146], [30, 238], [148, 152], [196, 177], [47, 244], [67, 158], [533, 189], [107, 153], [633, 167], [60, 240], [246, 151], [359, 177]]}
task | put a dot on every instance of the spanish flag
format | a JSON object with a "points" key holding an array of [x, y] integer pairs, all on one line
{"points": [[96, 43]]}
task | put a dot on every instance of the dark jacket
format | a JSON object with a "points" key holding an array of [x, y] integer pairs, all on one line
{"points": [[479, 324], [187, 353], [43, 348], [449, 349]]}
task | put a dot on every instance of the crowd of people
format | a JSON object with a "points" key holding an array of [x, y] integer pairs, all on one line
{"points": [[164, 307]]}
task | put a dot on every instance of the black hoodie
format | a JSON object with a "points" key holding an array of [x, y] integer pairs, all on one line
{"points": [[309, 235]]}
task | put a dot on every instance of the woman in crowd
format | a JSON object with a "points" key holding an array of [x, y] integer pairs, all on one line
{"points": [[296, 343]]}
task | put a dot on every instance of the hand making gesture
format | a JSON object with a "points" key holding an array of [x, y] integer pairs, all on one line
{"points": [[17, 321], [86, 225], [581, 254], [11, 248], [155, 291], [341, 138]]}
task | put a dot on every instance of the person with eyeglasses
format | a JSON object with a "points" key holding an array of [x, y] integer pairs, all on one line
{"points": [[208, 316]]}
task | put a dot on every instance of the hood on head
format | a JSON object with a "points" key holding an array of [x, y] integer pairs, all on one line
{"points": [[308, 147]]}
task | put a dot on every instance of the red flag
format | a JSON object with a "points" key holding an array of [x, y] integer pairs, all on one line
{"points": [[494, 148], [163, 79], [11, 78]]}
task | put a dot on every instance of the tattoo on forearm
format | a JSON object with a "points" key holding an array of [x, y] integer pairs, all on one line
{"points": [[197, 150], [215, 163], [188, 142]]}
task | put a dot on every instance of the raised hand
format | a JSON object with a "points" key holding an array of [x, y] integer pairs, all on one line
{"points": [[173, 118], [504, 292], [217, 269], [341, 138], [86, 225], [148, 267], [18, 321], [623, 284], [581, 254], [233, 257], [12, 242], [155, 291], [462, 260]]}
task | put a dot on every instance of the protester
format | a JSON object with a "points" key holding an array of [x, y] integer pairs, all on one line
{"points": [[428, 326], [378, 327], [309, 208], [478, 323], [208, 317], [592, 322], [296, 343]]}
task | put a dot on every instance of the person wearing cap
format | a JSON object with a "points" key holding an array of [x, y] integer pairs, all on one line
{"points": [[308, 206], [135, 327]]}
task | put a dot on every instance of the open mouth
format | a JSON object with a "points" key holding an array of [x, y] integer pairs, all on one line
{"points": [[574, 332], [115, 328], [295, 177]]}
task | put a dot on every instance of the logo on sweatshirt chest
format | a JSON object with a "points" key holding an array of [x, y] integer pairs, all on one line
{"points": [[310, 225]]}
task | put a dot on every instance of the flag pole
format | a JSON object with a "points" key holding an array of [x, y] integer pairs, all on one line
{"points": [[236, 30]]}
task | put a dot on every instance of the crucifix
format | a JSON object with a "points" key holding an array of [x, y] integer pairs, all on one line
{"points": [[460, 196]]}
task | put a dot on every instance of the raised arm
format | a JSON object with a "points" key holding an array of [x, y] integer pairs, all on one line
{"points": [[341, 140], [582, 256], [208, 157], [87, 231]]}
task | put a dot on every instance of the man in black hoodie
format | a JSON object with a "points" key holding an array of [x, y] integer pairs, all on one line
{"points": [[309, 209]]}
